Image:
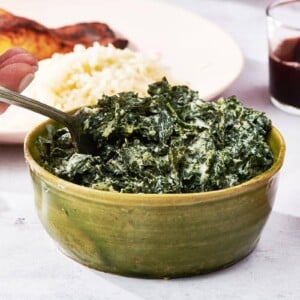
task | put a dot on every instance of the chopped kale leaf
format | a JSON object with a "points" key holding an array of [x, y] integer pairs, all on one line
{"points": [[169, 142]]}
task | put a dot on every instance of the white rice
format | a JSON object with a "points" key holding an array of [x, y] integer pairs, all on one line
{"points": [[82, 76]]}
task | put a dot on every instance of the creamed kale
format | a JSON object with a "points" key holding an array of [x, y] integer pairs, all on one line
{"points": [[168, 142]]}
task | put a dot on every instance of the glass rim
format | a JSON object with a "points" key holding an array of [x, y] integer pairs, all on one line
{"points": [[279, 3]]}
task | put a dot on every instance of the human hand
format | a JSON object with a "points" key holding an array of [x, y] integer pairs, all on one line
{"points": [[17, 68]]}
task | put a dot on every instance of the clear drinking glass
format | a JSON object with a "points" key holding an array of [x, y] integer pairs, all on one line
{"points": [[283, 18]]}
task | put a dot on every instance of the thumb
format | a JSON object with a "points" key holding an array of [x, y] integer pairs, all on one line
{"points": [[17, 76], [17, 68]]}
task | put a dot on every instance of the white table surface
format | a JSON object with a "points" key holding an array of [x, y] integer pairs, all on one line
{"points": [[32, 268]]}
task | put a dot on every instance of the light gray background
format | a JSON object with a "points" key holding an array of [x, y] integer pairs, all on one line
{"points": [[32, 268]]}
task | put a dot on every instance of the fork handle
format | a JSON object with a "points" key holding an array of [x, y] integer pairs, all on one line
{"points": [[11, 97]]}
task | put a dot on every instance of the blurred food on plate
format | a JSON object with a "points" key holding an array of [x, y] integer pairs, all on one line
{"points": [[43, 42], [80, 77]]}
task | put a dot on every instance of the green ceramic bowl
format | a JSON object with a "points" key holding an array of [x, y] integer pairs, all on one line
{"points": [[152, 235]]}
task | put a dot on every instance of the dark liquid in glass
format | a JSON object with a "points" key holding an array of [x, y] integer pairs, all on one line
{"points": [[284, 64]]}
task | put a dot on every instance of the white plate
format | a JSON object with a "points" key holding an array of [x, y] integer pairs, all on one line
{"points": [[194, 49]]}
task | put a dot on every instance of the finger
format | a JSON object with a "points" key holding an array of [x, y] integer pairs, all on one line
{"points": [[3, 107], [16, 76], [11, 52], [20, 58]]}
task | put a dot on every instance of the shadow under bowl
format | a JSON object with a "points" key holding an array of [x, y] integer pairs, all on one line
{"points": [[154, 235]]}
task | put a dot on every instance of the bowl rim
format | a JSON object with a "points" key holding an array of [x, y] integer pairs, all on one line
{"points": [[140, 199]]}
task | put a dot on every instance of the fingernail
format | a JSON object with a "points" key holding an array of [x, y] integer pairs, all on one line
{"points": [[25, 81]]}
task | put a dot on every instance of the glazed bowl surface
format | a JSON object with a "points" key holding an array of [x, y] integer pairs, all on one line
{"points": [[154, 235]]}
